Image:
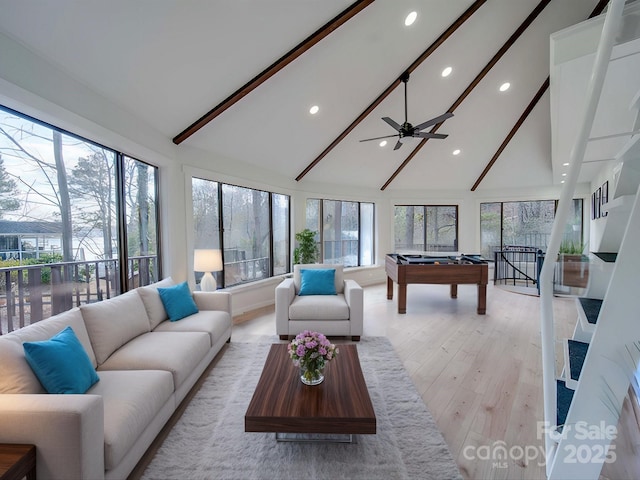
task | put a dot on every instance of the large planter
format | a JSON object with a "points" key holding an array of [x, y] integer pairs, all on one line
{"points": [[574, 270]]}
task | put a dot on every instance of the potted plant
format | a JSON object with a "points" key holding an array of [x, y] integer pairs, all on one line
{"points": [[307, 249]]}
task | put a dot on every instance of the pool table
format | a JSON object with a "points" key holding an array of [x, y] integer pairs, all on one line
{"points": [[444, 270]]}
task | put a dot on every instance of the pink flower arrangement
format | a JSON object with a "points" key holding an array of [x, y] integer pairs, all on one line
{"points": [[311, 351]]}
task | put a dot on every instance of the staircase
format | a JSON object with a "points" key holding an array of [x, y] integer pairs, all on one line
{"points": [[603, 355]]}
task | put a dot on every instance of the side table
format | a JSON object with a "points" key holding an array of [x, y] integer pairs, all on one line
{"points": [[17, 462]]}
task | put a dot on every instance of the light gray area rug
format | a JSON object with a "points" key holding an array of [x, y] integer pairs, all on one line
{"points": [[209, 441]]}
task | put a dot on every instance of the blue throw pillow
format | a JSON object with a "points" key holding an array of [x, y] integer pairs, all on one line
{"points": [[317, 281], [177, 301], [61, 363]]}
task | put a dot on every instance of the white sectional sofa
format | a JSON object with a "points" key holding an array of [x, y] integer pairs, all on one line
{"points": [[146, 365]]}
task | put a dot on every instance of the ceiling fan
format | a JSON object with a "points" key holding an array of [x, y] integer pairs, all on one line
{"points": [[406, 130]]}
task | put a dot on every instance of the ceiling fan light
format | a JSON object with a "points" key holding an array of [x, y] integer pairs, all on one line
{"points": [[383, 143], [411, 18], [447, 71], [505, 86]]}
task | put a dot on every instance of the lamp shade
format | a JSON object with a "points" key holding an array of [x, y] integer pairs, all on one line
{"points": [[207, 260]]}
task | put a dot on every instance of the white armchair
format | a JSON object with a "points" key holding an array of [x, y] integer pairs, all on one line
{"points": [[334, 315]]}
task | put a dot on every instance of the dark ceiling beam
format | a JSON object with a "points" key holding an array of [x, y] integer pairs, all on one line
{"points": [[446, 34], [512, 39], [599, 8], [516, 127], [270, 71]]}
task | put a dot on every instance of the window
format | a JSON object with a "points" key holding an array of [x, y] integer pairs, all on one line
{"points": [[86, 211], [345, 229], [525, 224], [428, 228], [250, 226]]}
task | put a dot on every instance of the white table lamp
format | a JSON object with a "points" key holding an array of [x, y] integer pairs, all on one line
{"points": [[207, 260]]}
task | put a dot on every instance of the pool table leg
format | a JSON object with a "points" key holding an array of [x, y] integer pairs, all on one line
{"points": [[482, 299], [454, 291], [402, 298]]}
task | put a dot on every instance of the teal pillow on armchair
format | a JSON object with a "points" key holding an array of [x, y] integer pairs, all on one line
{"points": [[317, 281]]}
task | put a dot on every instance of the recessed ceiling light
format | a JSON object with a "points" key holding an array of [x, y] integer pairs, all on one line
{"points": [[565, 164], [505, 86], [410, 18], [383, 143], [447, 71], [564, 174], [313, 110], [562, 181], [456, 151]]}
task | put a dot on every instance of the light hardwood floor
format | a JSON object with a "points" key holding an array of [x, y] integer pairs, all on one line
{"points": [[479, 375]]}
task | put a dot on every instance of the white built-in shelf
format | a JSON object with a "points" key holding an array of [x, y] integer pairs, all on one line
{"points": [[621, 204]]}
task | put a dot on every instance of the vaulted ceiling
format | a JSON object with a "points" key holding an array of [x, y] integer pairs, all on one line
{"points": [[169, 62]]}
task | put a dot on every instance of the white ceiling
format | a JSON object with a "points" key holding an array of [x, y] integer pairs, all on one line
{"points": [[169, 62]]}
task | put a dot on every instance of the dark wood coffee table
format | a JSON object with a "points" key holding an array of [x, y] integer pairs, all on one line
{"points": [[282, 404], [17, 462]]}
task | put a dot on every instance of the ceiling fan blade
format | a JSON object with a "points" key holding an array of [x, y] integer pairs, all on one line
{"points": [[398, 145], [433, 121], [430, 135], [392, 123], [378, 138]]}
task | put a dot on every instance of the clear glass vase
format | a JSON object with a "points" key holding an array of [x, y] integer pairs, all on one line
{"points": [[309, 375]]}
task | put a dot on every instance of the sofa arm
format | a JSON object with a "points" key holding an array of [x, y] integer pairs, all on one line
{"points": [[67, 430], [285, 293], [213, 301], [354, 296]]}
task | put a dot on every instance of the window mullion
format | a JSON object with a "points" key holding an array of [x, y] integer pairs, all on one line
{"points": [[123, 253]]}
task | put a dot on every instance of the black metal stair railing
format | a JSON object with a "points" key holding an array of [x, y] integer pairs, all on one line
{"points": [[517, 265]]}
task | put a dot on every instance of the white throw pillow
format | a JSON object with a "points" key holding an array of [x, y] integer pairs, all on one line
{"points": [[114, 322], [16, 375], [152, 302]]}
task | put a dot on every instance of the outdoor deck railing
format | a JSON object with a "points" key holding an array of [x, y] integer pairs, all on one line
{"points": [[30, 293]]}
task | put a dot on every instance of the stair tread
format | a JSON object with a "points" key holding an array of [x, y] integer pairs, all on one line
{"points": [[591, 308], [609, 257], [577, 354], [564, 398]]}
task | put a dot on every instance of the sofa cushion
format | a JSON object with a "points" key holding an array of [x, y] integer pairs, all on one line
{"points": [[338, 280], [177, 301], [152, 303], [45, 329], [114, 322], [319, 307], [131, 401], [61, 364], [175, 352], [317, 281], [16, 376], [213, 322]]}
